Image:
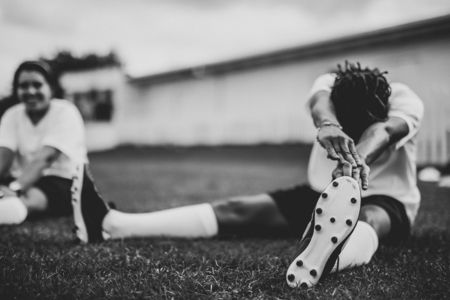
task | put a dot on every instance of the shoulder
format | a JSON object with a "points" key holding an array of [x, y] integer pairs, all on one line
{"points": [[14, 111], [324, 82], [327, 78], [401, 93], [64, 110], [400, 89]]}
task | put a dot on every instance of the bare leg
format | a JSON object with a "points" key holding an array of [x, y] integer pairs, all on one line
{"points": [[378, 218], [249, 215], [374, 225]]}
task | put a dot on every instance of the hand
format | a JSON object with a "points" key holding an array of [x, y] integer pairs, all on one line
{"points": [[339, 146], [6, 192], [358, 173]]}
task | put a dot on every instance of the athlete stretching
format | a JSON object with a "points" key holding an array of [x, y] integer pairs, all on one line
{"points": [[363, 122]]}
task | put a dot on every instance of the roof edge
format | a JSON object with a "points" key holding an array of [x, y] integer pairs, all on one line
{"points": [[429, 27]]}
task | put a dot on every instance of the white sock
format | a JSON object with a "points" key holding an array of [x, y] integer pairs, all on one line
{"points": [[192, 221], [360, 248], [12, 211]]}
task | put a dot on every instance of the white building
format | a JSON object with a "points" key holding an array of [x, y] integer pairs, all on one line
{"points": [[261, 99]]}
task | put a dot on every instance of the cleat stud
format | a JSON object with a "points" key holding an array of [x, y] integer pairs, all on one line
{"points": [[318, 227], [335, 184], [353, 200], [332, 220], [313, 272], [324, 195], [349, 222], [291, 277], [334, 239], [299, 263], [319, 210]]}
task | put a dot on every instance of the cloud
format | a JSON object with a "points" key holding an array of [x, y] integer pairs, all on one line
{"points": [[152, 36]]}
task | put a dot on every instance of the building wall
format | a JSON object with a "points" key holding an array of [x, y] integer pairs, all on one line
{"points": [[100, 134], [268, 103], [264, 105]]}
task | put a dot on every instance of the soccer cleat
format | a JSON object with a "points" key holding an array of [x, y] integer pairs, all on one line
{"points": [[88, 207], [333, 221]]}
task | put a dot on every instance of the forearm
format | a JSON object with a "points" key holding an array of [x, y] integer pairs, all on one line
{"points": [[322, 109], [32, 173], [34, 170], [374, 141], [6, 160]]}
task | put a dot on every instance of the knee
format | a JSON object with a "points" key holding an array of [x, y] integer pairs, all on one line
{"points": [[377, 218], [367, 217]]}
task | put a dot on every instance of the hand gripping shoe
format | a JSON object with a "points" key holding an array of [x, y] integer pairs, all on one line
{"points": [[89, 209], [333, 221]]}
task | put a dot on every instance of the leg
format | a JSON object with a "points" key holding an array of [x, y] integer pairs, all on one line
{"points": [[332, 224], [250, 215], [242, 215], [14, 210], [382, 219], [378, 218], [283, 212]]}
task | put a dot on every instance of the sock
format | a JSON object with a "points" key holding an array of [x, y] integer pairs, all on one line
{"points": [[12, 211], [192, 221], [360, 248]]}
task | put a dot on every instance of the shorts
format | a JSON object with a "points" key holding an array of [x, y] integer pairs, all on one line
{"points": [[297, 204], [58, 192]]}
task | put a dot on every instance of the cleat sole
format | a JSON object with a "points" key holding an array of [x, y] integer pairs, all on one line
{"points": [[337, 217]]}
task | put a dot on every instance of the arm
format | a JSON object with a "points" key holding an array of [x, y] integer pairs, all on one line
{"points": [[33, 171], [6, 160], [374, 141], [339, 146]]}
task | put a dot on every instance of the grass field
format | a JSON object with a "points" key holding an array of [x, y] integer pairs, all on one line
{"points": [[41, 260]]}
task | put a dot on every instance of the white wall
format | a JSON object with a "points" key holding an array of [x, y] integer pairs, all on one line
{"points": [[267, 104], [99, 135], [264, 105]]}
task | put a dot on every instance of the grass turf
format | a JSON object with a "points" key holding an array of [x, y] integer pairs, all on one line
{"points": [[40, 259]]}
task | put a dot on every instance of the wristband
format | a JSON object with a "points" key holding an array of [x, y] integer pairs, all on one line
{"points": [[327, 123]]}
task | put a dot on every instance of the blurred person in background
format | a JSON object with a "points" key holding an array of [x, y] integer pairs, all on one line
{"points": [[42, 140], [366, 130]]}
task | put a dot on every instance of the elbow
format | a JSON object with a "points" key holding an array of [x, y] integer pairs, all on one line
{"points": [[394, 134]]}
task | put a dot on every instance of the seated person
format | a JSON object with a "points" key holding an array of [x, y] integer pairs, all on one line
{"points": [[42, 140], [366, 137]]}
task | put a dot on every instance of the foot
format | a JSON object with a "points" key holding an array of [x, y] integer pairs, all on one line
{"points": [[333, 221], [88, 207]]}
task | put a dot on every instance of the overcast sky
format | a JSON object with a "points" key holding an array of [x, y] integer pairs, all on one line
{"points": [[153, 36]]}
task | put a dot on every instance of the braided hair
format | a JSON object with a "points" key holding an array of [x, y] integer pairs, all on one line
{"points": [[360, 97]]}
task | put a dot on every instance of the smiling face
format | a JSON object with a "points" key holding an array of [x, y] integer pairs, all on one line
{"points": [[34, 91]]}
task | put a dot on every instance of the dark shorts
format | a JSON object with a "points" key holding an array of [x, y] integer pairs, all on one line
{"points": [[58, 194], [297, 205]]}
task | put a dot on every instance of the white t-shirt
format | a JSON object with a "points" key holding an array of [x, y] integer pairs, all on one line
{"points": [[61, 128], [394, 172]]}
